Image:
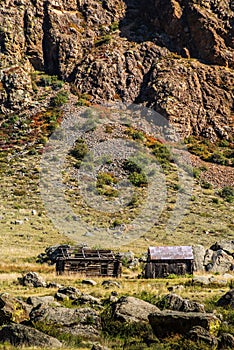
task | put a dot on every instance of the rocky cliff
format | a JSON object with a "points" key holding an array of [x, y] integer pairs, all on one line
{"points": [[173, 56]]}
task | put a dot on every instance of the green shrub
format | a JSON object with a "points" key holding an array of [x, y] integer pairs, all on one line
{"points": [[105, 179], [50, 80], [162, 154], [80, 150], [138, 179], [60, 99], [114, 26], [105, 39], [206, 185], [227, 193], [132, 167]]}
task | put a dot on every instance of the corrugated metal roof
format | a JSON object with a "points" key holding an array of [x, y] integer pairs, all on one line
{"points": [[171, 253]]}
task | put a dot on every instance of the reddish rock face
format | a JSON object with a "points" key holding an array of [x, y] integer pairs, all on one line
{"points": [[173, 56]]}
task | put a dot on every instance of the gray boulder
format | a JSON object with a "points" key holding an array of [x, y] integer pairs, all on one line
{"points": [[61, 297], [20, 335], [226, 246], [32, 279], [218, 261], [199, 254], [78, 322], [165, 323], [47, 300], [88, 299], [111, 283], [210, 281], [177, 288], [175, 302], [201, 280], [72, 292], [227, 300], [12, 309], [89, 282], [200, 334], [133, 309]]}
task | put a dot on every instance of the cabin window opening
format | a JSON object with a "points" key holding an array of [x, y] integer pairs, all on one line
{"points": [[104, 269]]}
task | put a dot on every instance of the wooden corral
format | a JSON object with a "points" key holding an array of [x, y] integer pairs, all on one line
{"points": [[164, 261], [89, 262]]}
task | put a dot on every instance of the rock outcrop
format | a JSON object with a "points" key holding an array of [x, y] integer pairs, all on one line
{"points": [[173, 56], [32, 279], [78, 322], [12, 309], [175, 302], [130, 309], [166, 322], [227, 300], [20, 335]]}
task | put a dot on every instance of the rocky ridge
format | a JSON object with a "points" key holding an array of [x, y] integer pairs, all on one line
{"points": [[175, 56]]}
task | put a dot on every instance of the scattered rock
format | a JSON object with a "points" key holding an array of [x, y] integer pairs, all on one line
{"points": [[177, 303], [61, 297], [53, 285], [177, 288], [47, 300], [218, 261], [20, 335], [17, 222], [226, 246], [88, 299], [12, 309], [165, 323], [32, 279], [227, 299], [133, 309], [218, 282], [199, 334], [89, 282], [77, 322], [72, 292], [201, 280], [111, 283]]}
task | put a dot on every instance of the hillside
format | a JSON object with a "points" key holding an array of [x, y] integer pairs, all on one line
{"points": [[116, 131]]}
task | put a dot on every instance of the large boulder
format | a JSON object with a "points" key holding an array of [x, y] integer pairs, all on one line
{"points": [[200, 334], [199, 254], [227, 300], [226, 246], [133, 309], [32, 279], [175, 302], [72, 292], [12, 309], [46, 300], [218, 261], [78, 322], [165, 323], [88, 299], [215, 281], [20, 335]]}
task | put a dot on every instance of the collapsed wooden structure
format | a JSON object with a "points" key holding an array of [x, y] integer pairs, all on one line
{"points": [[164, 261], [88, 262]]}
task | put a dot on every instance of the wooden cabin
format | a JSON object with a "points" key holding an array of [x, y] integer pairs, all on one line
{"points": [[164, 261], [89, 262]]}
